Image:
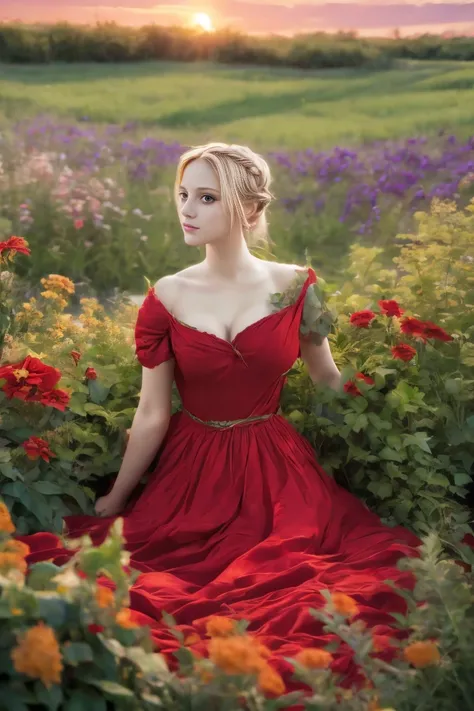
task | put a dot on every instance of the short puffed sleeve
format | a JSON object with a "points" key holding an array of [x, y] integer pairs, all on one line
{"points": [[152, 338]]}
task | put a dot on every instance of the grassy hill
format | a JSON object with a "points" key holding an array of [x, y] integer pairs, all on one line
{"points": [[267, 108]]}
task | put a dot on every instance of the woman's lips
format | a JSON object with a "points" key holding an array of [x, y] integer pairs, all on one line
{"points": [[189, 228]]}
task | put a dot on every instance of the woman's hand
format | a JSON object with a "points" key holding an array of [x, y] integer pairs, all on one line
{"points": [[109, 505]]}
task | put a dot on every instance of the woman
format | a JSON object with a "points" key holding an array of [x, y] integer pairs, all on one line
{"points": [[237, 518]]}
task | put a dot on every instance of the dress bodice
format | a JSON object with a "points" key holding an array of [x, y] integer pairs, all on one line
{"points": [[218, 379]]}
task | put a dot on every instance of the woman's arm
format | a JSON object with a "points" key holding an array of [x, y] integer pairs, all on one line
{"points": [[316, 353], [148, 430]]}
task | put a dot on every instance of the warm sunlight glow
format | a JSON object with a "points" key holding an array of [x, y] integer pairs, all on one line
{"points": [[203, 21]]}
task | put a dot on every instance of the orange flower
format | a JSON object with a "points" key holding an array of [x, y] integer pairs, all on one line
{"points": [[220, 627], [422, 654], [314, 658], [38, 655], [6, 523], [270, 681], [13, 556], [236, 655], [344, 604], [124, 620], [76, 356], [191, 639], [104, 597]]}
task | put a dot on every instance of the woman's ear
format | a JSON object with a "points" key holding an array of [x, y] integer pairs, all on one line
{"points": [[251, 213]]}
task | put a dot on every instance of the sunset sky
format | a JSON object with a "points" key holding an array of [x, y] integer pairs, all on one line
{"points": [[369, 17]]}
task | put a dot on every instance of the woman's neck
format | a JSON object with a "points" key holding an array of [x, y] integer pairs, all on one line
{"points": [[228, 258]]}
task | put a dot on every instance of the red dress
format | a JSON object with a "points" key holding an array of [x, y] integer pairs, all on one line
{"points": [[242, 521]]}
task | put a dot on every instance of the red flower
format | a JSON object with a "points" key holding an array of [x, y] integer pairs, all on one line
{"points": [[55, 398], [76, 356], [95, 629], [91, 374], [26, 378], [424, 330], [403, 352], [15, 244], [78, 224], [351, 388], [413, 327], [389, 307], [36, 447], [434, 331], [362, 319]]}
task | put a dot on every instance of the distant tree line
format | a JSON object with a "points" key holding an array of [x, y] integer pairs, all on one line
{"points": [[109, 42]]}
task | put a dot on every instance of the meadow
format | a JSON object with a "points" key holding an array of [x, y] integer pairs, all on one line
{"points": [[374, 184], [268, 108]]}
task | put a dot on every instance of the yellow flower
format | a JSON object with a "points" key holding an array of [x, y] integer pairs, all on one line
{"points": [[344, 604], [220, 627], [6, 523], [422, 654], [314, 658], [236, 655], [16, 611], [104, 597], [270, 681], [124, 620], [38, 655]]}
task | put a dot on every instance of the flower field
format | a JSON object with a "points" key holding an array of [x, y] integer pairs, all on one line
{"points": [[87, 219]]}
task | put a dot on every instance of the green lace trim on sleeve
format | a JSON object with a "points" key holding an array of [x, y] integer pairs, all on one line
{"points": [[317, 319]]}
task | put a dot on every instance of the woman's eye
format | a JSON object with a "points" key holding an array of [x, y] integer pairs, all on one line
{"points": [[209, 196]]}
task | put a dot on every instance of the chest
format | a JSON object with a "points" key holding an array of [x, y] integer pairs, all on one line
{"points": [[225, 312]]}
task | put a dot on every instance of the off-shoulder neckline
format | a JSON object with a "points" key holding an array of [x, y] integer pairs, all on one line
{"points": [[310, 279]]}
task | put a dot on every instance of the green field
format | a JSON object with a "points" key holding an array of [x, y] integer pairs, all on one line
{"points": [[268, 108]]}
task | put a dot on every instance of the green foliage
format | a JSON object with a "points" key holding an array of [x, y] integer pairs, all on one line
{"points": [[406, 444], [67, 644]]}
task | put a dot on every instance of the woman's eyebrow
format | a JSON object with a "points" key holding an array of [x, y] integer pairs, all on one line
{"points": [[214, 190]]}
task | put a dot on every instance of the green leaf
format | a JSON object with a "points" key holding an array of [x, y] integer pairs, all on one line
{"points": [[98, 393], [86, 700], [51, 698], [77, 652], [47, 487], [41, 576], [390, 454], [461, 478], [112, 688]]}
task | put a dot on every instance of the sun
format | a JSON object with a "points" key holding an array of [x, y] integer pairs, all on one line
{"points": [[200, 19]]}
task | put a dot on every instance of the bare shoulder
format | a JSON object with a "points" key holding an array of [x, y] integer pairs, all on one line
{"points": [[168, 288], [286, 275]]}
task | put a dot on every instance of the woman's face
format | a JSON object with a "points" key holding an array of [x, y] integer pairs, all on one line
{"points": [[200, 205]]}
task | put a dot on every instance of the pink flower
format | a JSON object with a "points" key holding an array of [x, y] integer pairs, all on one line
{"points": [[78, 224]]}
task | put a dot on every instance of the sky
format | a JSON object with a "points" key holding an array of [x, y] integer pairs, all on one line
{"points": [[368, 17]]}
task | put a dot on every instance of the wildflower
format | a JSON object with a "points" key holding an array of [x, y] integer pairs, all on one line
{"points": [[344, 604], [351, 388], [6, 523], [94, 628], [422, 654], [58, 399], [362, 319], [389, 307], [314, 658], [413, 327], [104, 597], [38, 655], [123, 618], [36, 448], [191, 639], [403, 352], [220, 627], [91, 374], [24, 379], [58, 282], [78, 224], [13, 556], [236, 655], [433, 331], [12, 246], [76, 356], [270, 681]]}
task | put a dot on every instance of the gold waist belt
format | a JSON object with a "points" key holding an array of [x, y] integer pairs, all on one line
{"points": [[226, 424]]}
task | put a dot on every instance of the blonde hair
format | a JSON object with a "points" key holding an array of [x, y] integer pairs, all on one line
{"points": [[244, 178]]}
